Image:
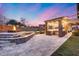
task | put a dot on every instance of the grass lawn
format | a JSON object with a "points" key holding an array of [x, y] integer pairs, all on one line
{"points": [[69, 48]]}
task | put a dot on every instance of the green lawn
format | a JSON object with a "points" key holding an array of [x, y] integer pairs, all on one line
{"points": [[69, 48]]}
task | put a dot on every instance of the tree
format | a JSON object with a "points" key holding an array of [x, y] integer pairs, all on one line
{"points": [[23, 20], [12, 22]]}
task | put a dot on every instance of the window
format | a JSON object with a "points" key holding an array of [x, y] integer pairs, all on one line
{"points": [[50, 27]]}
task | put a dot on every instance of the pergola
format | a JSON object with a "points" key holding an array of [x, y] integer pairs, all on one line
{"points": [[60, 22]]}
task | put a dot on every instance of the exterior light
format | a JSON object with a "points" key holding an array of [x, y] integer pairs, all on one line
{"points": [[14, 28], [64, 22]]}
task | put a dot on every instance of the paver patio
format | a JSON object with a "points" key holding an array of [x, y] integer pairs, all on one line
{"points": [[39, 45]]}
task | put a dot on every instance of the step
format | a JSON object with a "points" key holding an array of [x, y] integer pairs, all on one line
{"points": [[1, 35], [7, 44], [2, 39], [4, 42]]}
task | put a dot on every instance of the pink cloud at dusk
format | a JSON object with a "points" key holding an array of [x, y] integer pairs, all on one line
{"points": [[47, 14], [1, 10], [35, 22], [51, 13], [67, 11]]}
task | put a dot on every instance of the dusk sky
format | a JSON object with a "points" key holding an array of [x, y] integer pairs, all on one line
{"points": [[37, 13]]}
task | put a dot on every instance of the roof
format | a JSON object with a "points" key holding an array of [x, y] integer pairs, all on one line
{"points": [[59, 18], [74, 20]]}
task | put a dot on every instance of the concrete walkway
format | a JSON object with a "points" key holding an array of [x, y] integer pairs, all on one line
{"points": [[39, 45]]}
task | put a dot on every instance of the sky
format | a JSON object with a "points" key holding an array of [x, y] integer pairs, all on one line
{"points": [[37, 13]]}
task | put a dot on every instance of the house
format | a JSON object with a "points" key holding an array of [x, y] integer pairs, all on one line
{"points": [[58, 26]]}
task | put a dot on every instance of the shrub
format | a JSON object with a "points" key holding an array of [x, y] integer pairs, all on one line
{"points": [[76, 33]]}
